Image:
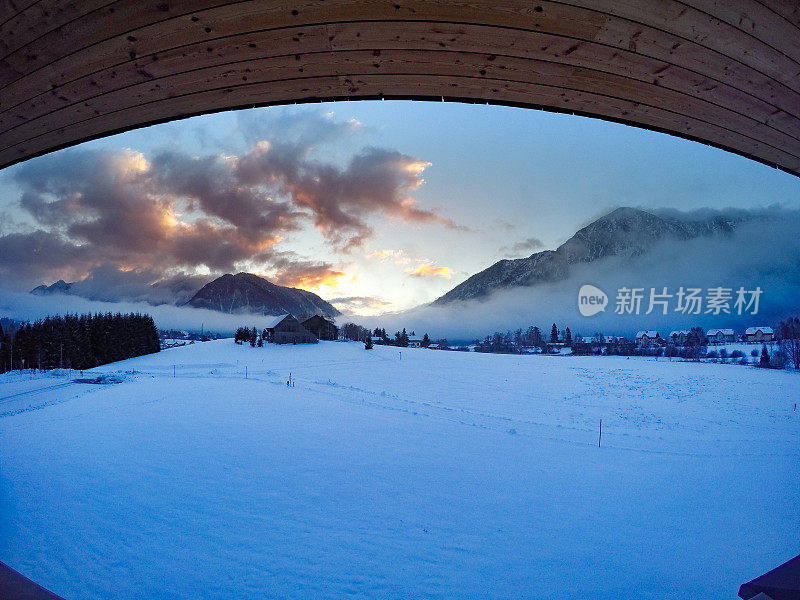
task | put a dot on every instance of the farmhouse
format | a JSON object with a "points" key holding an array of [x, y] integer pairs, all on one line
{"points": [[414, 343], [679, 337], [322, 328], [285, 329], [648, 338], [720, 336], [758, 334]]}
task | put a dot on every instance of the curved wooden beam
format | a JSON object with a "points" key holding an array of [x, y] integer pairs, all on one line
{"points": [[725, 74]]}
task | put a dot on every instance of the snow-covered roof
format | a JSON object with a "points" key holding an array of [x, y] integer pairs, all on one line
{"points": [[275, 321], [648, 333], [587, 339], [680, 332], [752, 330], [713, 332]]}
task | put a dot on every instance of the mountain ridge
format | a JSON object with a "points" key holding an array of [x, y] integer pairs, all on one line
{"points": [[229, 293], [246, 292], [624, 231]]}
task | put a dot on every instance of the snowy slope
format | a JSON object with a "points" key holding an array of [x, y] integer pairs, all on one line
{"points": [[435, 475]]}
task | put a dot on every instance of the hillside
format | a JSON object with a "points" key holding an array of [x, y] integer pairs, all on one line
{"points": [[245, 292]]}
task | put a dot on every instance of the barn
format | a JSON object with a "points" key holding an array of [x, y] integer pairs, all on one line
{"points": [[322, 328], [758, 334], [286, 329]]}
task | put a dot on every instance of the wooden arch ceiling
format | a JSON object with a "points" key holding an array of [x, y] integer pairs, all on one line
{"points": [[726, 73]]}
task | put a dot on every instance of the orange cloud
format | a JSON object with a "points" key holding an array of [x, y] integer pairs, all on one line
{"points": [[428, 270], [310, 278]]}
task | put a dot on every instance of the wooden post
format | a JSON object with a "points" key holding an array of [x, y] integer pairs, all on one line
{"points": [[245, 371], [601, 433], [173, 371]]}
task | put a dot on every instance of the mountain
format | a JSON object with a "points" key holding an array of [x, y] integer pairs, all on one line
{"points": [[59, 287], [623, 232], [250, 293]]}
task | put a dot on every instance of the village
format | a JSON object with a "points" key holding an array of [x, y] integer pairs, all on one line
{"points": [[758, 344]]}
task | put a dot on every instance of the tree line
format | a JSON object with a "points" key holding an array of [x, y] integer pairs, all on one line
{"points": [[78, 341]]}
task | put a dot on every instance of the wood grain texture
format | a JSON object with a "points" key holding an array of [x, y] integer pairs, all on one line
{"points": [[723, 73]]}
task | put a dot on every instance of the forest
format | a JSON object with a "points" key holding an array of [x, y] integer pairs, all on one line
{"points": [[78, 341]]}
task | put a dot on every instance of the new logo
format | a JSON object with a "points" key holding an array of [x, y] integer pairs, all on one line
{"points": [[591, 300]]}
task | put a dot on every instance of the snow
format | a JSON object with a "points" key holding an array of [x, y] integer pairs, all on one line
{"points": [[397, 474], [754, 330], [275, 321]]}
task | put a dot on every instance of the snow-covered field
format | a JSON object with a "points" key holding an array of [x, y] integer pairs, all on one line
{"points": [[438, 475]]}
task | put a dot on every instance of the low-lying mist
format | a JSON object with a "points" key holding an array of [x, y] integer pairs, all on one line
{"points": [[28, 307], [763, 252]]}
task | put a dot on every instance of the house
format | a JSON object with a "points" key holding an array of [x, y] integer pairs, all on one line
{"points": [[679, 337], [758, 334], [285, 329], [322, 328], [720, 336], [648, 338], [414, 343], [433, 346]]}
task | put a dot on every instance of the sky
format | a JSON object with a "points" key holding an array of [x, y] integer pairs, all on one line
{"points": [[376, 206]]}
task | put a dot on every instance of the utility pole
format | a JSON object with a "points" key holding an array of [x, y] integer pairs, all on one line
{"points": [[61, 356]]}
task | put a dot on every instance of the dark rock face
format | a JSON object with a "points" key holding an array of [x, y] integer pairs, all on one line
{"points": [[59, 287], [623, 232], [245, 292]]}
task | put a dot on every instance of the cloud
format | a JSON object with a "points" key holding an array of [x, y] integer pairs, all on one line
{"points": [[359, 303], [763, 250], [309, 276], [27, 307], [398, 257], [172, 212], [428, 270], [305, 129], [109, 283], [525, 246]]}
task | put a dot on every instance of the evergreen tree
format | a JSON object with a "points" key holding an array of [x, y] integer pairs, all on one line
{"points": [[368, 343], [554, 334], [764, 362], [426, 341], [567, 337]]}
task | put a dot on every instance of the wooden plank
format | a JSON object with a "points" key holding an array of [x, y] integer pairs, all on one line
{"points": [[756, 20], [109, 20], [405, 63], [11, 8], [690, 24], [491, 42], [407, 87], [752, 82], [28, 25], [691, 59], [788, 9]]}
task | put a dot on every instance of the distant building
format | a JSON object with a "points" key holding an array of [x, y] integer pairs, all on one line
{"points": [[433, 346], [758, 334], [322, 328], [720, 336], [679, 337], [285, 329], [648, 338], [414, 343]]}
